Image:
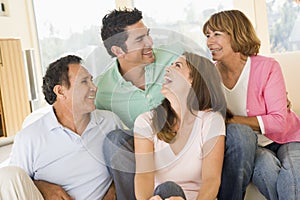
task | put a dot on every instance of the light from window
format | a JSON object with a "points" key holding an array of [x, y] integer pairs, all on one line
{"points": [[284, 25], [70, 27], [185, 17]]}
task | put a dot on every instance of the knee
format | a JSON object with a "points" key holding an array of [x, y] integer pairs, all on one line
{"points": [[117, 139], [265, 156], [168, 185], [265, 162], [168, 189], [118, 146], [241, 137], [11, 174]]}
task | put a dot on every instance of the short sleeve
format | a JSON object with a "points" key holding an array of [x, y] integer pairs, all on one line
{"points": [[143, 125], [213, 125], [22, 155]]}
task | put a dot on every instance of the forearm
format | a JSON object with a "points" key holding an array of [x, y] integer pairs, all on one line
{"points": [[111, 193], [144, 185], [209, 189], [52, 191], [250, 121]]}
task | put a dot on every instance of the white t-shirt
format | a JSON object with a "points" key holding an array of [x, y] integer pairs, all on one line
{"points": [[236, 99], [185, 168]]}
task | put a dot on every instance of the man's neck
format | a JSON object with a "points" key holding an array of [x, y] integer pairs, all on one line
{"points": [[76, 123], [135, 75]]}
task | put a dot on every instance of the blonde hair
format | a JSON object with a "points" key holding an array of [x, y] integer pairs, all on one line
{"points": [[235, 23]]}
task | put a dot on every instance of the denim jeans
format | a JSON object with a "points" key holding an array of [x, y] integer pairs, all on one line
{"points": [[119, 157], [169, 189], [277, 171], [240, 148]]}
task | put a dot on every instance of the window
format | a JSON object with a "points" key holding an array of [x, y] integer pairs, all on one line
{"points": [[70, 27], [184, 17], [73, 27], [284, 25]]}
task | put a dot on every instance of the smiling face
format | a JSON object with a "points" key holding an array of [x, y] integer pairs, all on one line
{"points": [[139, 46], [219, 45], [177, 79], [80, 96]]}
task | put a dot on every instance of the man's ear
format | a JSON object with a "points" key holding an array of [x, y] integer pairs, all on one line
{"points": [[117, 51], [59, 91]]}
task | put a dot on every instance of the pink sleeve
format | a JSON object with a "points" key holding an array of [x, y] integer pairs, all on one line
{"points": [[274, 95]]}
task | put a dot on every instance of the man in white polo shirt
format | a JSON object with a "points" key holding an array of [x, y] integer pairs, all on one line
{"points": [[60, 155]]}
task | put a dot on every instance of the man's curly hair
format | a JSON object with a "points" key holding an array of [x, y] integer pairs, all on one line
{"points": [[113, 31], [57, 74]]}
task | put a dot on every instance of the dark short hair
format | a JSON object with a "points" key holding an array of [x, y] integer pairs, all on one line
{"points": [[57, 74], [113, 31]]}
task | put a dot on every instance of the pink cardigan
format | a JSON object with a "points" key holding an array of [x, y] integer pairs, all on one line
{"points": [[267, 98]]}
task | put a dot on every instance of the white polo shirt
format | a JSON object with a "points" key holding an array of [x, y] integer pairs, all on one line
{"points": [[48, 151]]}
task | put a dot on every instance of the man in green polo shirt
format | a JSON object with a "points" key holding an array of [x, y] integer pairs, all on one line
{"points": [[129, 87], [132, 84]]}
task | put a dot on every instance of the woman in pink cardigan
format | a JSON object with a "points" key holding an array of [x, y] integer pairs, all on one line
{"points": [[255, 92]]}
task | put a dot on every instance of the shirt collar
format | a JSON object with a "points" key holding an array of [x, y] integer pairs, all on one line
{"points": [[53, 123], [118, 75]]}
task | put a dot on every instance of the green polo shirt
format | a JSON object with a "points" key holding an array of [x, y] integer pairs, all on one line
{"points": [[125, 99]]}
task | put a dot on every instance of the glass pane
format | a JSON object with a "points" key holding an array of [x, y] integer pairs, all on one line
{"points": [[284, 25], [70, 27], [185, 17]]}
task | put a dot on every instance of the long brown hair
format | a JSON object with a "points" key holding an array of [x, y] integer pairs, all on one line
{"points": [[205, 93]]}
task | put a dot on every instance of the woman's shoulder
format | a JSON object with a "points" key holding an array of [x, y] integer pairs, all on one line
{"points": [[205, 115], [263, 60], [143, 124]]}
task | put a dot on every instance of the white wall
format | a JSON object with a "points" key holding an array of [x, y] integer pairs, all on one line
{"points": [[291, 70], [20, 23], [257, 12]]}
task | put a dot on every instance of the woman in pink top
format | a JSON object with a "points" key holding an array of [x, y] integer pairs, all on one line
{"points": [[182, 141], [255, 92]]}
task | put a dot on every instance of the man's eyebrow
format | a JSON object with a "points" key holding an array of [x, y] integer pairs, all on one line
{"points": [[141, 36], [87, 77]]}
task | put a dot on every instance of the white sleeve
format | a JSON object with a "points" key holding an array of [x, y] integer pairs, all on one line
{"points": [[213, 125], [261, 124], [143, 125], [21, 154]]}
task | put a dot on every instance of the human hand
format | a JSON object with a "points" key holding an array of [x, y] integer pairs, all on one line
{"points": [[52, 191]]}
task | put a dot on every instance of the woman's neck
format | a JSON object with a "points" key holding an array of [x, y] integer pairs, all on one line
{"points": [[231, 70]]}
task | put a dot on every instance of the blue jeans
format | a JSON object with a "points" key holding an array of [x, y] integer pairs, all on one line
{"points": [[240, 148], [277, 171], [169, 189], [119, 157]]}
